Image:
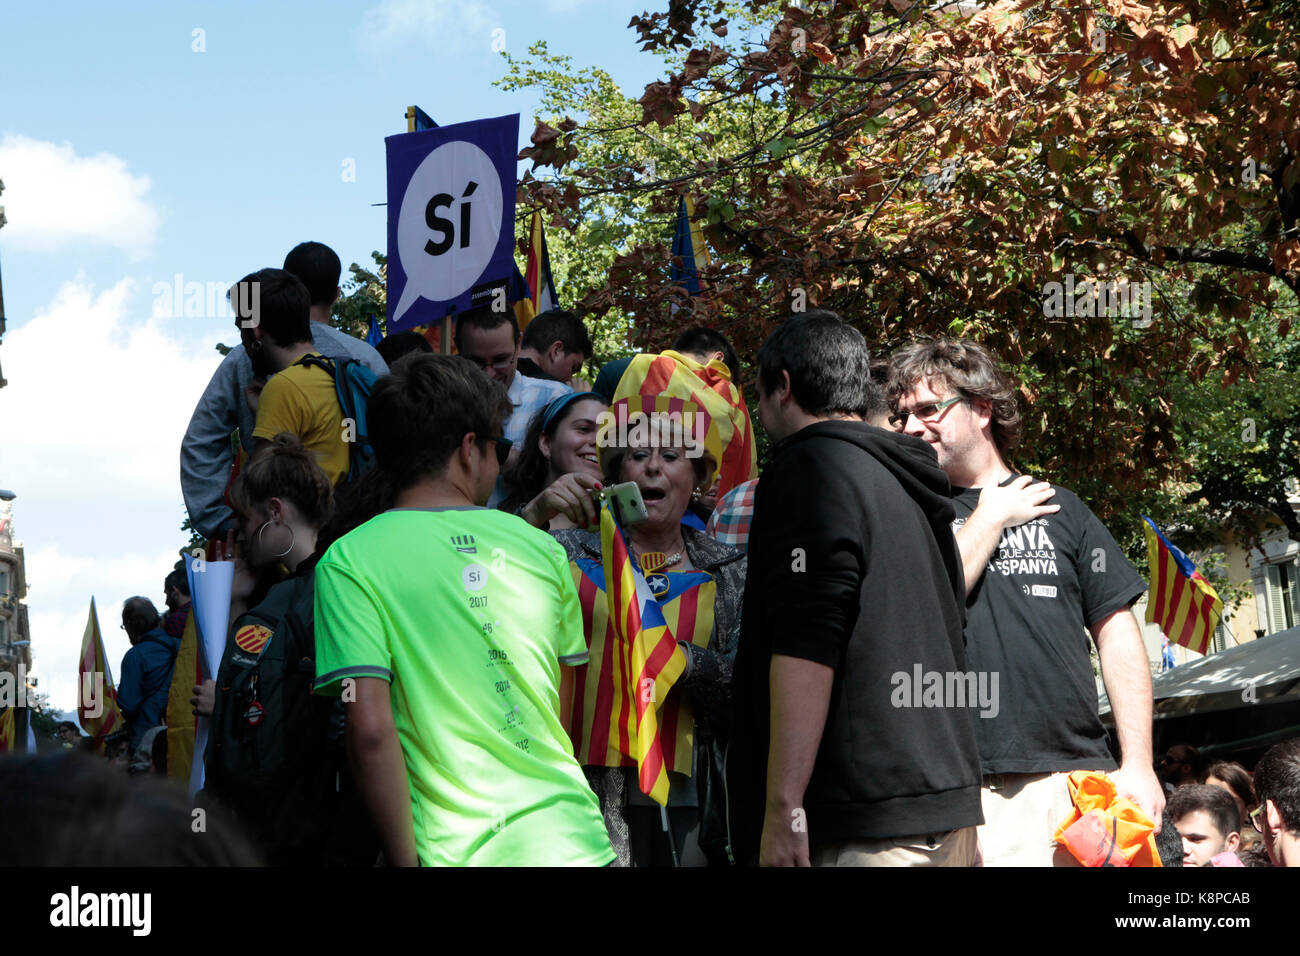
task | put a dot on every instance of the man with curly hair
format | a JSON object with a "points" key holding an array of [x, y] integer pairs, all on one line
{"points": [[1035, 587]]}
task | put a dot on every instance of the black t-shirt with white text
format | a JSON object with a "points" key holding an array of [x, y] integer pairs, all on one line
{"points": [[1048, 580]]}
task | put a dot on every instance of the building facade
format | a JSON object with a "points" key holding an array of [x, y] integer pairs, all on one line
{"points": [[15, 640]]}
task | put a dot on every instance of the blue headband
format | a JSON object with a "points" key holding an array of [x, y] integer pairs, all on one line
{"points": [[558, 404]]}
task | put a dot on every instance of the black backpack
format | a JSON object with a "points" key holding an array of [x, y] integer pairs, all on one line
{"points": [[274, 755]]}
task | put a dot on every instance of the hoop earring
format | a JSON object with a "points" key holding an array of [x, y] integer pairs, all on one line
{"points": [[292, 538]]}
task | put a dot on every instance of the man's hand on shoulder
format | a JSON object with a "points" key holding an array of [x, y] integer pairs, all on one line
{"points": [[1024, 499]]}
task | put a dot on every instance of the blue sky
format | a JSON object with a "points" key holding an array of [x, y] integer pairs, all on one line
{"points": [[129, 158]]}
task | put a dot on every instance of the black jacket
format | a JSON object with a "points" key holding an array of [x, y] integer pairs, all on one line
{"points": [[853, 564]]}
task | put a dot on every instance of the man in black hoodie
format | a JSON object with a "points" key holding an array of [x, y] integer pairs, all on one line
{"points": [[853, 597]]}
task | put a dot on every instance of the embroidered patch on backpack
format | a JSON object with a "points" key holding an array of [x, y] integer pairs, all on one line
{"points": [[252, 638]]}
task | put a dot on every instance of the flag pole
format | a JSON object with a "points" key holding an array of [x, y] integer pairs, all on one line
{"points": [[672, 845]]}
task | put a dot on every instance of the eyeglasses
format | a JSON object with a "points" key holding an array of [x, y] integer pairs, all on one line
{"points": [[929, 412], [497, 363], [503, 448]]}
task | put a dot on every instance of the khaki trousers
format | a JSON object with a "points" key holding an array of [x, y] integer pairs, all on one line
{"points": [[1021, 813], [955, 848]]}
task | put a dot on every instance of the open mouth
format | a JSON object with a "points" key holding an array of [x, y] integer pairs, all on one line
{"points": [[591, 458], [649, 495]]}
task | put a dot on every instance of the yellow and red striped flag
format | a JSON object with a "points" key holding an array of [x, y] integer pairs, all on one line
{"points": [[651, 659], [96, 696], [7, 730], [182, 724], [1181, 601], [541, 286], [731, 434]]}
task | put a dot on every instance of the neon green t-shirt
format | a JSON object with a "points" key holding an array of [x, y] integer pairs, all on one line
{"points": [[469, 613]]}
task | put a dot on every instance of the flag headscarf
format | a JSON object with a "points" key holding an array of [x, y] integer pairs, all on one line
{"points": [[671, 375]]}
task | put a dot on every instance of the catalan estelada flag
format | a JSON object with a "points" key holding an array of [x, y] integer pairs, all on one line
{"points": [[689, 247], [7, 730], [731, 433], [96, 696], [1181, 601], [541, 286], [620, 694]]}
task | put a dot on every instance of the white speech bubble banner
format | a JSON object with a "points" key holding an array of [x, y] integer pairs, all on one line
{"points": [[450, 220]]}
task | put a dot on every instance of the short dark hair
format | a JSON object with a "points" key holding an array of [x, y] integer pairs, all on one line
{"points": [[877, 403], [968, 369], [1169, 843], [278, 301], [394, 346], [68, 725], [827, 359], [419, 413], [485, 318], [700, 340], [318, 266], [557, 325], [139, 615], [1215, 801], [179, 580], [1277, 778], [1191, 757]]}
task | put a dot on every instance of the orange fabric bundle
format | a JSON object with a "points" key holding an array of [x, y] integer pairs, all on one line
{"points": [[1105, 829]]}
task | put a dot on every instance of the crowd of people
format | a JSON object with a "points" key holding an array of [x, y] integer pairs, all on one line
{"points": [[882, 645]]}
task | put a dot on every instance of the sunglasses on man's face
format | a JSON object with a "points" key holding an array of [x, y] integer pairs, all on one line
{"points": [[503, 448], [929, 412]]}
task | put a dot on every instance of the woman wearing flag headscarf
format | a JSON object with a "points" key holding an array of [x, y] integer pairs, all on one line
{"points": [[551, 484], [697, 584], [275, 754]]}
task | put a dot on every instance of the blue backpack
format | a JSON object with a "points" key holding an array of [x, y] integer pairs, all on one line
{"points": [[353, 383]]}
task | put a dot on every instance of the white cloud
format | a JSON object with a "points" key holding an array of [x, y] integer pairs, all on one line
{"points": [[450, 23], [99, 400], [53, 197], [108, 395]]}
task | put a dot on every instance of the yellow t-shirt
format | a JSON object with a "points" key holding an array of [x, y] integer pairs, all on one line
{"points": [[302, 399]]}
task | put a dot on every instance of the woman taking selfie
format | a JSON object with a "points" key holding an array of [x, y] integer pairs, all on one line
{"points": [[550, 486]]}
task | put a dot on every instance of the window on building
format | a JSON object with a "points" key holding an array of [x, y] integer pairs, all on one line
{"points": [[1282, 587], [4, 632], [4, 581], [1219, 639]]}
